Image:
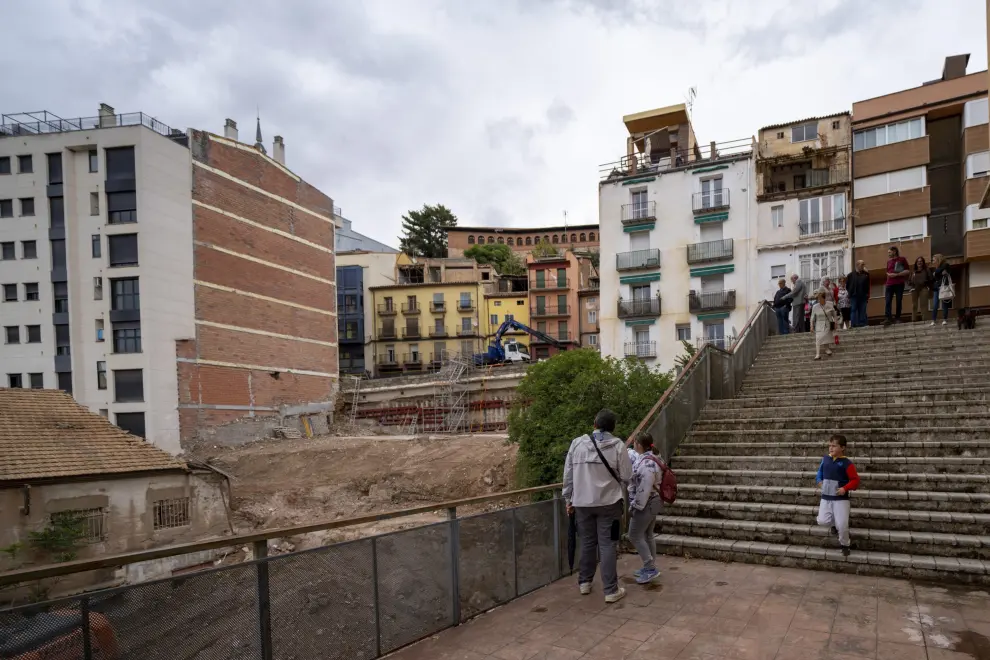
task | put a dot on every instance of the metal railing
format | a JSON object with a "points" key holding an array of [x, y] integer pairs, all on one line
{"points": [[712, 373], [711, 300], [387, 333], [641, 349], [411, 308], [412, 358], [633, 308], [560, 335], [638, 259], [438, 332], [42, 121], [438, 306], [699, 253], [386, 359], [465, 305], [707, 202], [387, 309], [466, 332], [822, 227], [411, 332], [718, 342], [813, 178], [550, 283], [639, 164], [363, 598], [640, 212], [549, 310]]}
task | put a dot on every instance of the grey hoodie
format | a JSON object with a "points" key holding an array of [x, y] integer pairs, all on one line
{"points": [[587, 482]]}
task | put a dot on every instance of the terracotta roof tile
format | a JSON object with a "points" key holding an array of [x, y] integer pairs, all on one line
{"points": [[45, 434]]}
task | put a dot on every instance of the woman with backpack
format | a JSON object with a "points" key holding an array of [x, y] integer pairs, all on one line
{"points": [[944, 290], [644, 505]]}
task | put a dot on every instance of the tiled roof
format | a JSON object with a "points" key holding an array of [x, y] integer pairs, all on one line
{"points": [[45, 434]]}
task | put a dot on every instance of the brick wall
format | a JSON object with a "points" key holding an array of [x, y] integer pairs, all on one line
{"points": [[265, 302]]}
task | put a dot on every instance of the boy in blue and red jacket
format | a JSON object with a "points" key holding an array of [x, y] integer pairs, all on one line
{"points": [[836, 477]]}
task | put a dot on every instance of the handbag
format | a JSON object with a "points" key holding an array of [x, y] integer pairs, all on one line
{"points": [[947, 291]]}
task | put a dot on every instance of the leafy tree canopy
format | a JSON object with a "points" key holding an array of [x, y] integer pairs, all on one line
{"points": [[544, 249], [423, 231], [506, 261], [689, 350], [558, 399]]}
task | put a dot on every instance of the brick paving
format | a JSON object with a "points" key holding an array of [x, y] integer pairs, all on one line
{"points": [[704, 610]]}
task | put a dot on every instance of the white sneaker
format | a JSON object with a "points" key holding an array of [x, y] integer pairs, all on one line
{"points": [[945, 323], [932, 324], [585, 588], [616, 597]]}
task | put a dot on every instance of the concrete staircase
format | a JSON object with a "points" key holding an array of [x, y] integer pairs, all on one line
{"points": [[913, 401]]}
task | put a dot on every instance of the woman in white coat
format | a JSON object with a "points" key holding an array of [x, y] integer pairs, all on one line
{"points": [[823, 321]]}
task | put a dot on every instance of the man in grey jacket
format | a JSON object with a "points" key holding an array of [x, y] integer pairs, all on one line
{"points": [[797, 296], [593, 491]]}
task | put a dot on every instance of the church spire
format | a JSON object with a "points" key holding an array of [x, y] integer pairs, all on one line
{"points": [[257, 136]]}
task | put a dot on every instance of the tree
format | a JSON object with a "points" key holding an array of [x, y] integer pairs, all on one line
{"points": [[424, 232], [544, 249], [558, 399], [505, 261], [681, 361]]}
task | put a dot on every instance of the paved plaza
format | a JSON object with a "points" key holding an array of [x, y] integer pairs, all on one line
{"points": [[704, 610]]}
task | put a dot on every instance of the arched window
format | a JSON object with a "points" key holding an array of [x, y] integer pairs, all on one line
{"points": [[471, 240], [501, 240], [491, 240], [546, 239], [529, 241], [583, 238], [591, 235], [509, 240], [573, 238]]}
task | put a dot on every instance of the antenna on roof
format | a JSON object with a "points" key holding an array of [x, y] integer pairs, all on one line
{"points": [[692, 94]]}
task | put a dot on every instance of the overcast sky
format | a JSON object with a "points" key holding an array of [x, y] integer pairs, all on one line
{"points": [[501, 109]]}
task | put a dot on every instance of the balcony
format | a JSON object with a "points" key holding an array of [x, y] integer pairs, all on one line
{"points": [[412, 358], [411, 332], [438, 332], [711, 301], [785, 182], [411, 308], [438, 306], [387, 309], [710, 202], [638, 259], [658, 161], [628, 309], [387, 333], [724, 343], [544, 311], [465, 305], [387, 360], [550, 284], [641, 349], [700, 253], [816, 228], [560, 335], [466, 332], [635, 214]]}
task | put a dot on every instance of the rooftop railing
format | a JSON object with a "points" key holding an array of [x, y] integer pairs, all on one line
{"points": [[641, 164], [42, 121]]}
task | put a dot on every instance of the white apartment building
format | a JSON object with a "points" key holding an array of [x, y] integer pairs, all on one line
{"points": [[89, 210], [802, 193], [677, 225]]}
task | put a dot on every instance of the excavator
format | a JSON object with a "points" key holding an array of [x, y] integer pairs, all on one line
{"points": [[513, 351]]}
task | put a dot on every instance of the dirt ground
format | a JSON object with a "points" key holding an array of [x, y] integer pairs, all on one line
{"points": [[281, 483]]}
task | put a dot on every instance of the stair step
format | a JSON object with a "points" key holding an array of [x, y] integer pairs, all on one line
{"points": [[840, 418], [969, 546], [924, 500], [822, 433], [849, 363], [882, 463], [912, 482], [882, 345], [845, 409], [966, 448], [853, 397], [950, 522], [900, 330], [893, 565], [786, 385], [891, 374]]}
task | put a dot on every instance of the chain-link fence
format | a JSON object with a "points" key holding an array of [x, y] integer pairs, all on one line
{"points": [[356, 600]]}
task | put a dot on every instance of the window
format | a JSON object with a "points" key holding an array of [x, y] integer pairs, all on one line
{"points": [[591, 236], [6, 208], [10, 293], [127, 337], [30, 291], [120, 163], [889, 134], [491, 240], [562, 330], [905, 229], [979, 223], [94, 161], [123, 250], [27, 206], [509, 241], [815, 266], [888, 182], [466, 324], [121, 208], [470, 240], [34, 334], [836, 125], [528, 240], [104, 412], [583, 237], [976, 113], [92, 523], [501, 240], [54, 168], [978, 165], [128, 385], [25, 164], [94, 203], [592, 316], [350, 330], [4, 164], [683, 330], [62, 339], [7, 251], [170, 513], [12, 334], [465, 300], [493, 319], [99, 329], [96, 246], [133, 423], [64, 381], [593, 340], [804, 132], [640, 204], [97, 288], [36, 381], [60, 291], [777, 216], [101, 375], [555, 239], [58, 253], [777, 272], [15, 380], [56, 212], [29, 249], [573, 238], [780, 135]]}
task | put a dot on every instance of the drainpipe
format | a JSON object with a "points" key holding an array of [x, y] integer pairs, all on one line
{"points": [[749, 195]]}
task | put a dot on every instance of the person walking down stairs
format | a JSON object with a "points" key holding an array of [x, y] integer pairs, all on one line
{"points": [[823, 324], [644, 506], [836, 478], [942, 283]]}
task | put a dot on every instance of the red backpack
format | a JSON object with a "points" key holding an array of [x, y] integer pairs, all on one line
{"points": [[667, 488]]}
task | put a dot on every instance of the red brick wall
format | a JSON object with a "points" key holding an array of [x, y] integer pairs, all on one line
{"points": [[204, 385]]}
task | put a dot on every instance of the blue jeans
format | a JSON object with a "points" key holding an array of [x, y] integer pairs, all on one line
{"points": [[858, 313], [783, 320], [893, 293], [945, 307]]}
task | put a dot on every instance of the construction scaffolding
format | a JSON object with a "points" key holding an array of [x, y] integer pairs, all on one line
{"points": [[451, 403]]}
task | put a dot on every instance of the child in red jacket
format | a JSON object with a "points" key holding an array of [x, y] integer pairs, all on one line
{"points": [[836, 477]]}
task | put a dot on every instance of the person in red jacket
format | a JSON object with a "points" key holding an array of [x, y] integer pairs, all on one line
{"points": [[898, 270], [836, 478]]}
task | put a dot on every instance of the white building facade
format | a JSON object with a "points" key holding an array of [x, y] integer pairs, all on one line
{"points": [[677, 242]]}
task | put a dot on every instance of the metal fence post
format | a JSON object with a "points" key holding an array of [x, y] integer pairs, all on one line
{"points": [[556, 532], [374, 581], [515, 562], [455, 553], [264, 604], [87, 641]]}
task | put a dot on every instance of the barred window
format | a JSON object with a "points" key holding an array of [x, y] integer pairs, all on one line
{"points": [[92, 523], [171, 513]]}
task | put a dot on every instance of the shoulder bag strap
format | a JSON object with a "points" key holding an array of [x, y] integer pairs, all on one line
{"points": [[602, 457]]}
